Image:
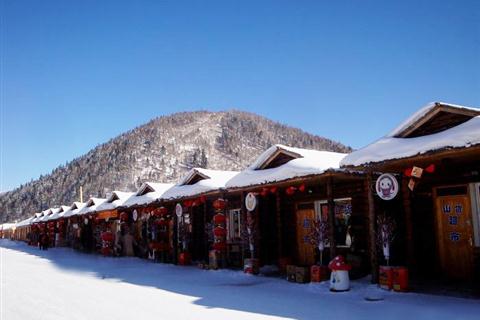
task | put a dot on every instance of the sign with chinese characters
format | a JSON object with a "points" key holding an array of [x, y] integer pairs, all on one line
{"points": [[417, 172], [386, 186], [458, 208], [447, 209], [134, 215], [453, 220], [454, 236]]}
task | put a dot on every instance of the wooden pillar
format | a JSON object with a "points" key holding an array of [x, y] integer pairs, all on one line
{"points": [[331, 218], [278, 212], [407, 207], [372, 244], [175, 237], [205, 236]]}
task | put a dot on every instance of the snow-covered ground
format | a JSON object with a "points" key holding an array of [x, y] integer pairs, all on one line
{"points": [[64, 284]]}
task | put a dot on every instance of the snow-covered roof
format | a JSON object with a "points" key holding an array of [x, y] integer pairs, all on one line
{"points": [[423, 115], [7, 226], [25, 222], [391, 147], [210, 180], [91, 205], [59, 213], [304, 162], [74, 209], [48, 213], [147, 193], [116, 199]]}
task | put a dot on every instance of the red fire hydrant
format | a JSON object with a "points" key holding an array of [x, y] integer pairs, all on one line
{"points": [[339, 279]]}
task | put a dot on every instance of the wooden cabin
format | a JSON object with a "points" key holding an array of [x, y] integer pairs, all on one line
{"points": [[294, 189], [435, 156]]}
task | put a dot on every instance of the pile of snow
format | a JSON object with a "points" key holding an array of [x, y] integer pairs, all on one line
{"points": [[213, 180], [309, 162], [64, 284]]}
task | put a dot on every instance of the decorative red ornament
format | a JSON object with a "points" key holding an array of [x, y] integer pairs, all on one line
{"points": [[290, 190], [219, 204], [219, 219], [273, 190], [301, 188], [219, 232], [264, 192], [203, 199], [430, 168], [187, 203], [220, 246], [408, 172], [124, 216]]}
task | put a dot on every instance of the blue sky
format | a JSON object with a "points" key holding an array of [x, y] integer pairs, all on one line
{"points": [[76, 73]]}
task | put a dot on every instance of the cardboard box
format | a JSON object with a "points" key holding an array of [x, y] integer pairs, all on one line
{"points": [[302, 274], [291, 273]]}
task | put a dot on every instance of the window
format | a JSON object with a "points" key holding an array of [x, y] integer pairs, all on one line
{"points": [[234, 224], [343, 212]]}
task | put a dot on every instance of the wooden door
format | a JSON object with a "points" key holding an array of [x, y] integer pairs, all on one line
{"points": [[306, 251], [455, 235]]}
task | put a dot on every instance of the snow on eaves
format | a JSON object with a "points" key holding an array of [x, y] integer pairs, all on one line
{"points": [[216, 180], [115, 200], [464, 135], [140, 198], [91, 206], [422, 112], [74, 209], [310, 162]]}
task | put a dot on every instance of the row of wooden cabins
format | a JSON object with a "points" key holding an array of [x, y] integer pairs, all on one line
{"points": [[436, 211]]}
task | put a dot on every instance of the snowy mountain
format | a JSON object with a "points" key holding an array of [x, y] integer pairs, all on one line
{"points": [[161, 150]]}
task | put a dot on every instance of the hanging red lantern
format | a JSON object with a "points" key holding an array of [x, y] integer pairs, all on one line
{"points": [[273, 190], [160, 212], [430, 168], [219, 232], [219, 204], [124, 216], [220, 246], [301, 188], [219, 219], [290, 191], [203, 199], [264, 192]]}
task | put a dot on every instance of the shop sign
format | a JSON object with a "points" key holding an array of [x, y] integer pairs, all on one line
{"points": [[134, 215], [386, 186], [250, 201]]}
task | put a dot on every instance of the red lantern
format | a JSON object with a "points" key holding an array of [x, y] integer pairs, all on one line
{"points": [[219, 232], [430, 168], [219, 246], [273, 190], [264, 192], [124, 216], [219, 219], [219, 204], [290, 191], [187, 203], [301, 188], [203, 199], [160, 212]]}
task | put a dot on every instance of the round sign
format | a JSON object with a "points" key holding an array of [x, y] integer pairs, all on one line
{"points": [[134, 215], [178, 210], [250, 201], [386, 186]]}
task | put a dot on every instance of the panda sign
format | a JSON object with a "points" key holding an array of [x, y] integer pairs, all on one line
{"points": [[386, 186]]}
